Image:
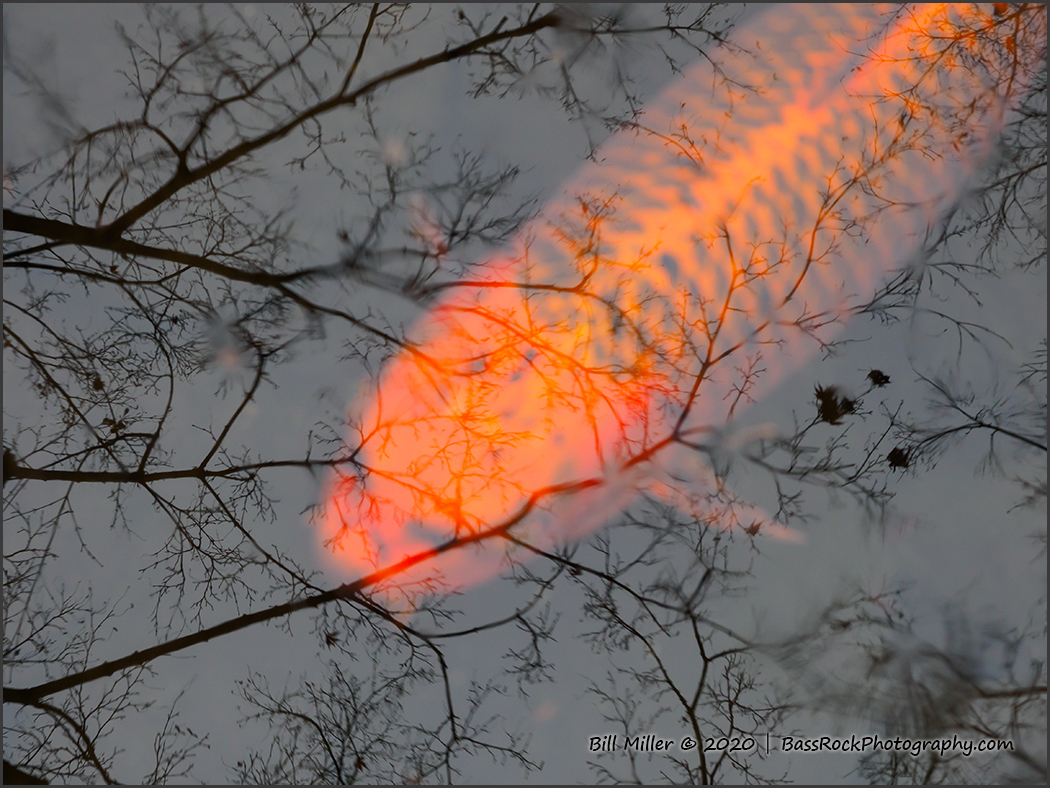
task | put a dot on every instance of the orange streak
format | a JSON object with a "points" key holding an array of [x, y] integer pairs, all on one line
{"points": [[729, 222]]}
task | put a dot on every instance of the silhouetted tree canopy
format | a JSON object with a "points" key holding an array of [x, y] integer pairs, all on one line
{"points": [[322, 416]]}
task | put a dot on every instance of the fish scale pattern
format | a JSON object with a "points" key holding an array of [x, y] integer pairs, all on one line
{"points": [[705, 252]]}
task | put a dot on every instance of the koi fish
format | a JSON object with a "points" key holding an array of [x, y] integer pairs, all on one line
{"points": [[705, 251]]}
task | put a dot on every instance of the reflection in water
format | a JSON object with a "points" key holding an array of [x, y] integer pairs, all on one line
{"points": [[705, 253]]}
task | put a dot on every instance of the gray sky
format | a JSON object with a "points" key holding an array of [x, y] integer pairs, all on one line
{"points": [[954, 540]]}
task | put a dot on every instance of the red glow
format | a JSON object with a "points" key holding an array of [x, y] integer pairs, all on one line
{"points": [[540, 398]]}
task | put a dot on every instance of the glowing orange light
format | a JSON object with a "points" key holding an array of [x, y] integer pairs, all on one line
{"points": [[538, 399]]}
